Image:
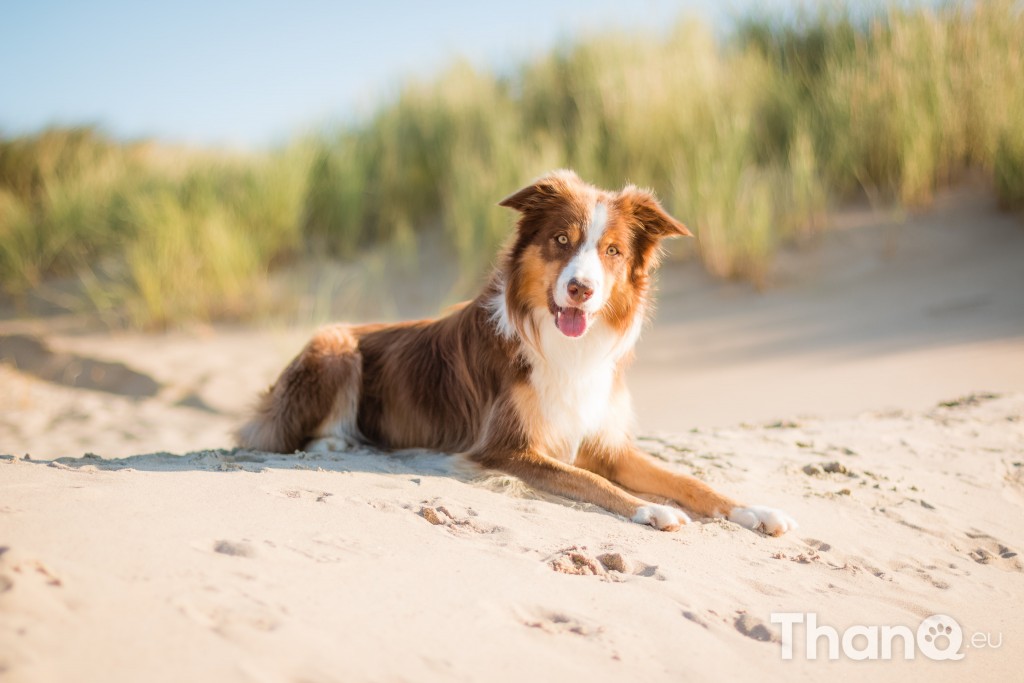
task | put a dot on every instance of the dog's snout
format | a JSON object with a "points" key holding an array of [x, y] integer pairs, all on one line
{"points": [[579, 290]]}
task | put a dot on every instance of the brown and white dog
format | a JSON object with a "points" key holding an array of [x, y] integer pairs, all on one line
{"points": [[528, 378]]}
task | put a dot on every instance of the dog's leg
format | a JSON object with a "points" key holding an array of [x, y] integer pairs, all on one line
{"points": [[554, 476], [637, 471], [316, 396]]}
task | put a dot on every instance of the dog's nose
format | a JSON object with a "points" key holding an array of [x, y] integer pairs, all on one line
{"points": [[579, 291]]}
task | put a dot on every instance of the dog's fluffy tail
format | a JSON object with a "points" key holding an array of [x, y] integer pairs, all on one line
{"points": [[319, 387]]}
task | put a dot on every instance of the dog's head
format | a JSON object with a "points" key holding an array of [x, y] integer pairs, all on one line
{"points": [[581, 253]]}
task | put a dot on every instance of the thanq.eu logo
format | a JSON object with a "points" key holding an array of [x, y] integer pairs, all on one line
{"points": [[939, 637]]}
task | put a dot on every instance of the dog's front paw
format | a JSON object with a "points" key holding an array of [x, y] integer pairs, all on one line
{"points": [[661, 517], [765, 519]]}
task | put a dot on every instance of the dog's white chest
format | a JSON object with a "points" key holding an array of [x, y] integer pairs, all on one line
{"points": [[573, 380]]}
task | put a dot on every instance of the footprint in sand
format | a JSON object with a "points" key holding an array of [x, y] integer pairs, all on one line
{"points": [[27, 572], [440, 515], [754, 628], [311, 495], [926, 571], [559, 622], [928, 577], [576, 563], [809, 556], [855, 564], [746, 624], [610, 566], [820, 546], [988, 550], [227, 614]]}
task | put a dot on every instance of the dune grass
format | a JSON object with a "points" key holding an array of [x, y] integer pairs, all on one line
{"points": [[155, 236], [748, 140]]}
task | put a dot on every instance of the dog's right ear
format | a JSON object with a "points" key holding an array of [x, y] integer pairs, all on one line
{"points": [[542, 191]]}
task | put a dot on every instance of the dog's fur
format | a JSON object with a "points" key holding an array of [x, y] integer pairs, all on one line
{"points": [[527, 378]]}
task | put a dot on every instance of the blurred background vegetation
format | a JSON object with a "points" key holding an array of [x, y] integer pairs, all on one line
{"points": [[748, 139]]}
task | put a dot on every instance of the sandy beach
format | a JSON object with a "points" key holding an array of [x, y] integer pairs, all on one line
{"points": [[875, 392]]}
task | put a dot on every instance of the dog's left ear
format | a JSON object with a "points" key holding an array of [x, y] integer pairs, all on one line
{"points": [[650, 215]]}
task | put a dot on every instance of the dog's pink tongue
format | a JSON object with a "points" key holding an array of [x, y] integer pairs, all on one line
{"points": [[571, 321]]}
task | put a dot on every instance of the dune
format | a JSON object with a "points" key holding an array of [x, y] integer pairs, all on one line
{"points": [[875, 392]]}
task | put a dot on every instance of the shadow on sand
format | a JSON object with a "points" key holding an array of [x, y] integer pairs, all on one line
{"points": [[423, 462], [34, 357]]}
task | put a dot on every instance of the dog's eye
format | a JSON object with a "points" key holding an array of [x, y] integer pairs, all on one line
{"points": [[563, 239], [613, 251]]}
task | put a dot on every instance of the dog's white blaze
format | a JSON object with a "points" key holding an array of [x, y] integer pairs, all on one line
{"points": [[574, 379], [586, 264]]}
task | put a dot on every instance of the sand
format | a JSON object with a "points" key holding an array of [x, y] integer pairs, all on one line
{"points": [[875, 392]]}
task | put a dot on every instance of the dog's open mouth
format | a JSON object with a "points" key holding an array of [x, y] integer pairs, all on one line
{"points": [[572, 322]]}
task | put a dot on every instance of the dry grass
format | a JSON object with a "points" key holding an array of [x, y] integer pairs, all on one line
{"points": [[748, 141]]}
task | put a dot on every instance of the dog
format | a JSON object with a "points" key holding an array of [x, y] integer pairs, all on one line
{"points": [[527, 378]]}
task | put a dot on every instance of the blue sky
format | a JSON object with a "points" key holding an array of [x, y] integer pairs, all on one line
{"points": [[249, 74]]}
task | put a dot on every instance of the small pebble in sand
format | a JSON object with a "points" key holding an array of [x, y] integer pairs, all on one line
{"points": [[233, 548], [433, 516], [835, 468], [813, 470], [615, 562]]}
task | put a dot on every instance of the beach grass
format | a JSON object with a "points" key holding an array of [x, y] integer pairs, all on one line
{"points": [[748, 139]]}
